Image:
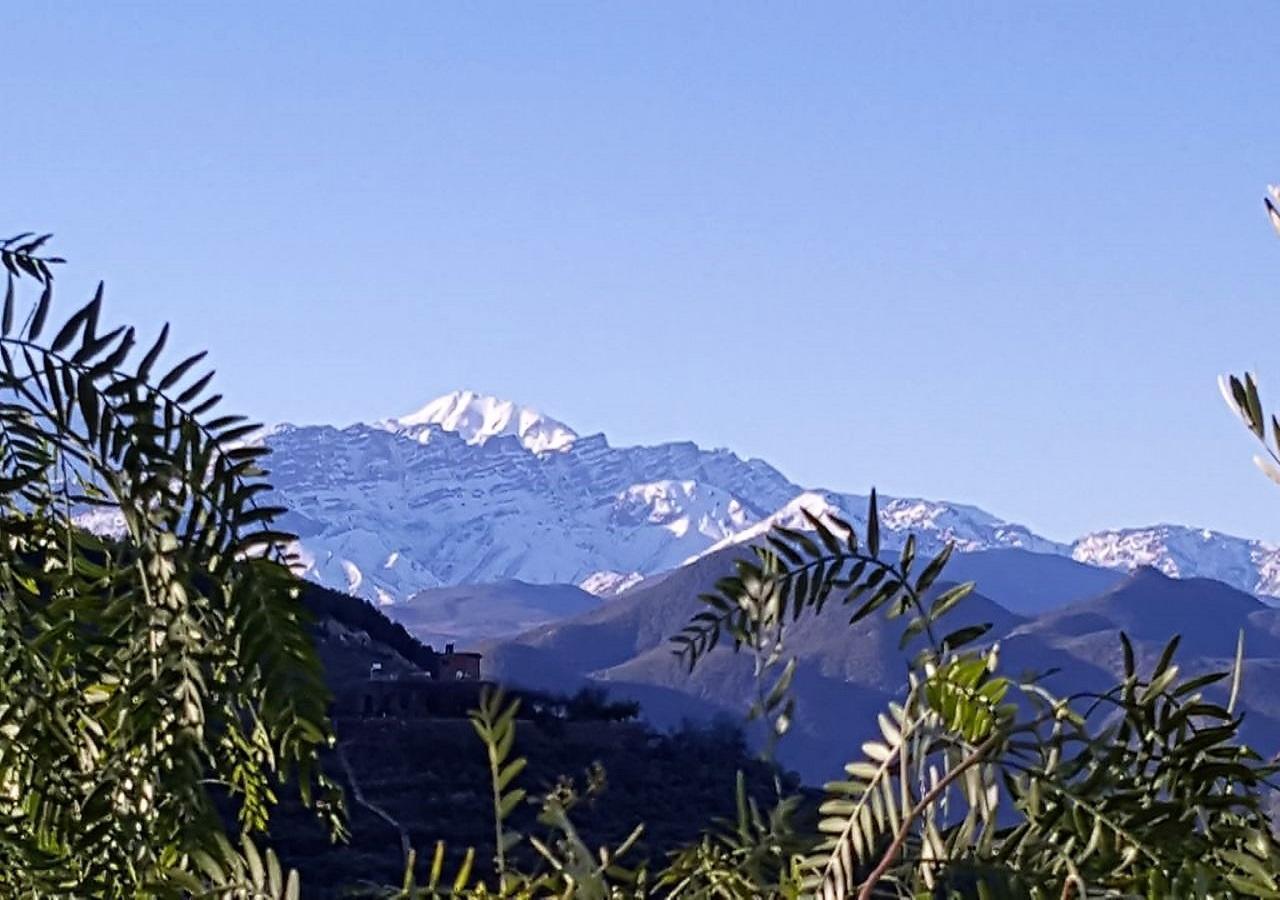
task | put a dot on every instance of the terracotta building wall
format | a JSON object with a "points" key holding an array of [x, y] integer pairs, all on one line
{"points": [[459, 667]]}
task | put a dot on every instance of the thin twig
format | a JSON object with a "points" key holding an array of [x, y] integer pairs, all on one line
{"points": [[864, 892]]}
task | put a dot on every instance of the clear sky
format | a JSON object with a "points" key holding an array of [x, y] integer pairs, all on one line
{"points": [[995, 253]]}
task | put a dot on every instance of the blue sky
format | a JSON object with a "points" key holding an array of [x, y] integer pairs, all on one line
{"points": [[993, 254]]}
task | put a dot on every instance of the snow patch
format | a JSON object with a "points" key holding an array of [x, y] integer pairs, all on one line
{"points": [[610, 584], [479, 417], [354, 576]]}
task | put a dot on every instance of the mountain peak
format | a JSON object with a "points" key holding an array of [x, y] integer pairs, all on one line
{"points": [[477, 417]]}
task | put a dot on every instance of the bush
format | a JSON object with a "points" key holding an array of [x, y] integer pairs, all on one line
{"points": [[149, 676]]}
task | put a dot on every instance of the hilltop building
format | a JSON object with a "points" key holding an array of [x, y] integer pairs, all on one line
{"points": [[449, 685]]}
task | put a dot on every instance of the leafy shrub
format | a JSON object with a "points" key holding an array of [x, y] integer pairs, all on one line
{"points": [[143, 677]]}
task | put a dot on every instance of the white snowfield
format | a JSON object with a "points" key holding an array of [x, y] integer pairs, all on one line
{"points": [[471, 488], [477, 418]]}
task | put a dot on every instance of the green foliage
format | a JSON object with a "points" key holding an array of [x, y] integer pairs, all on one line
{"points": [[794, 575], [1241, 392], [985, 784], [588, 704], [243, 874], [593, 703], [757, 854], [495, 723], [146, 676]]}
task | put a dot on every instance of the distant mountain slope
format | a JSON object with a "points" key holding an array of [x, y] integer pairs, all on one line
{"points": [[1150, 607], [625, 645], [472, 489], [1019, 580], [846, 674], [1208, 616], [466, 614], [1030, 583]]}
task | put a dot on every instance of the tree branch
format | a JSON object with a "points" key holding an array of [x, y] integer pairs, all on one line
{"points": [[899, 839]]}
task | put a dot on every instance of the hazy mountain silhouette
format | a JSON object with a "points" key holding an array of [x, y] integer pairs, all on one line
{"points": [[847, 673], [466, 614]]}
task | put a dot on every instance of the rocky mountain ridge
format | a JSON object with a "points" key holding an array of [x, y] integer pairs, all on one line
{"points": [[473, 489]]}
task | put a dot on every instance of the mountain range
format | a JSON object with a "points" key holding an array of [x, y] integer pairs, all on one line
{"points": [[471, 489], [569, 562], [1049, 615]]}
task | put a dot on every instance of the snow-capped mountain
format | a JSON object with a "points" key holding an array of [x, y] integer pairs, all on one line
{"points": [[1182, 552], [476, 419], [933, 523], [471, 488]]}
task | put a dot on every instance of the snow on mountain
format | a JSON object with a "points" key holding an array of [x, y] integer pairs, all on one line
{"points": [[822, 504], [610, 584], [476, 418], [1182, 552], [106, 521], [671, 517], [471, 488], [448, 498], [933, 523], [969, 527]]}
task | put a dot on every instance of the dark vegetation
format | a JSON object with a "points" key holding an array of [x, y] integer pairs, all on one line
{"points": [[589, 704], [430, 776], [360, 615]]}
